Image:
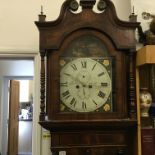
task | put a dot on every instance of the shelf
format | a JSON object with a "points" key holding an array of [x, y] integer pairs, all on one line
{"points": [[145, 71], [146, 55]]}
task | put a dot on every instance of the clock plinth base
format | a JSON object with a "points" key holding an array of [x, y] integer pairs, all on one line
{"points": [[92, 138], [110, 142]]}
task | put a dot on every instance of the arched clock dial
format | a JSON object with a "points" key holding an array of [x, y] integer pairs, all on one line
{"points": [[86, 84]]}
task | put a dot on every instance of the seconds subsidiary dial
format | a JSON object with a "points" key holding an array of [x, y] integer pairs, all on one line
{"points": [[86, 84]]}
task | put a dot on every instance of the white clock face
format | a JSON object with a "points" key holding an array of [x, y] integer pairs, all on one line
{"points": [[85, 85]]}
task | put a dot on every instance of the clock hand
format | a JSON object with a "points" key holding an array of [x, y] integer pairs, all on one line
{"points": [[76, 79], [82, 84], [81, 94], [101, 85], [84, 91]]}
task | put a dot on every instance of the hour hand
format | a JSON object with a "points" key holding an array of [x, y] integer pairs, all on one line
{"points": [[98, 85]]}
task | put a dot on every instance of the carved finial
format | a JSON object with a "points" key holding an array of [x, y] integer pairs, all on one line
{"points": [[42, 16], [74, 5], [133, 17], [101, 5], [133, 11], [87, 4], [41, 10]]}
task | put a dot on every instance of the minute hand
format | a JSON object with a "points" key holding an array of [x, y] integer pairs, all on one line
{"points": [[102, 85], [75, 79]]}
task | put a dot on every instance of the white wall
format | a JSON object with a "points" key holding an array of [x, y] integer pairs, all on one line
{"points": [[16, 68], [17, 28], [123, 8], [18, 32]]}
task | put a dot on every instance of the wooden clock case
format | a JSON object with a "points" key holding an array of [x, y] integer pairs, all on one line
{"points": [[89, 133]]}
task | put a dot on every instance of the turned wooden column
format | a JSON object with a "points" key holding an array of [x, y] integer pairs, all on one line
{"points": [[132, 85], [42, 86]]}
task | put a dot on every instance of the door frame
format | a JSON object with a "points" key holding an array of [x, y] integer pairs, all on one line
{"points": [[36, 129]]}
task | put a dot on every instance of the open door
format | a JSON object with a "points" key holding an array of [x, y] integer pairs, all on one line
{"points": [[13, 118]]}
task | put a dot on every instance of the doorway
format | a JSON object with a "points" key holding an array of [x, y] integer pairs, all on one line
{"points": [[14, 69], [25, 117], [20, 116]]}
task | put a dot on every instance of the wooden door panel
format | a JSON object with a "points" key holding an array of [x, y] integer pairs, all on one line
{"points": [[13, 118]]}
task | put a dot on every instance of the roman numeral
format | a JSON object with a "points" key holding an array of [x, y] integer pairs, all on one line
{"points": [[94, 66], [104, 84], [67, 74], [84, 64], [64, 84], [94, 102], [66, 94], [73, 101], [74, 67], [101, 74], [101, 94], [84, 105]]}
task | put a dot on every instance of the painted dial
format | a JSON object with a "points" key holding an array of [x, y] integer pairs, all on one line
{"points": [[85, 84]]}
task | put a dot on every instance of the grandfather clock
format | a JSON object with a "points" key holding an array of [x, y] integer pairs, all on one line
{"points": [[88, 100]]}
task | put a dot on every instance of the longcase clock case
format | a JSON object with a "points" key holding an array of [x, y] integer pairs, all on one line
{"points": [[88, 100]]}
